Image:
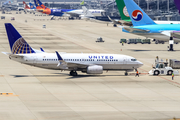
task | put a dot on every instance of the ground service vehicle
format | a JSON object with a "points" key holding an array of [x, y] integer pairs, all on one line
{"points": [[175, 64], [123, 40], [161, 68]]}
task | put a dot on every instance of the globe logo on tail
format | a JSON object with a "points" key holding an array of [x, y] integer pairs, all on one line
{"points": [[137, 15]]}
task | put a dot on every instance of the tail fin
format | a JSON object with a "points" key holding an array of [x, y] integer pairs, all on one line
{"points": [[39, 4], [25, 5], [137, 15], [17, 43], [86, 12], [82, 3], [122, 10], [31, 6], [177, 3]]}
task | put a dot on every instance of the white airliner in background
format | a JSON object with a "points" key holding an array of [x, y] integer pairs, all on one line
{"points": [[87, 63]]}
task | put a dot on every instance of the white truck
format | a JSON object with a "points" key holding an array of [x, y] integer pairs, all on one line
{"points": [[161, 68]]}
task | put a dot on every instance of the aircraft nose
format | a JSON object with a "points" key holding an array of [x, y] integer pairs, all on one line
{"points": [[140, 64]]}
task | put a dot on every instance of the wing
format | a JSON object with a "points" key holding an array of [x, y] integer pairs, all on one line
{"points": [[135, 30], [114, 21], [126, 23], [13, 55], [66, 65], [77, 65], [175, 34], [72, 14]]}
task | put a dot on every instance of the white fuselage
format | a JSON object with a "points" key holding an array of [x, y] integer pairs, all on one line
{"points": [[30, 10], [79, 62], [167, 22], [93, 12]]}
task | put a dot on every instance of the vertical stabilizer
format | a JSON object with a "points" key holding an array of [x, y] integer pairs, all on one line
{"points": [[86, 12], [25, 5], [39, 4], [177, 3], [31, 6], [137, 15], [122, 10], [17, 43]]}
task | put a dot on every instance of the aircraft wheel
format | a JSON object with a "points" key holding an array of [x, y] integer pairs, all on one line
{"points": [[126, 74], [156, 42], [71, 73], [156, 72], [115, 25], [74, 73], [169, 72]]}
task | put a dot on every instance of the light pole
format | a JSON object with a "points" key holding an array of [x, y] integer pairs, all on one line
{"points": [[147, 5], [158, 5], [168, 5]]}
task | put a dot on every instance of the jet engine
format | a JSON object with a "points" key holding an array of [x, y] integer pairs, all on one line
{"points": [[94, 69]]}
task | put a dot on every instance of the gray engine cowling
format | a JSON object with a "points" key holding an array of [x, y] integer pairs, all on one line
{"points": [[94, 69]]}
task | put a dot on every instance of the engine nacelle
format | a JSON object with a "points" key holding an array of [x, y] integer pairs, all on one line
{"points": [[94, 69]]}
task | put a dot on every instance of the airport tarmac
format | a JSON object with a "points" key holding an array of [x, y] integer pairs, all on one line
{"points": [[40, 94]]}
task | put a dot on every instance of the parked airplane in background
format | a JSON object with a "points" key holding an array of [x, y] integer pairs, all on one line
{"points": [[87, 15], [66, 12], [125, 18], [143, 25], [88, 63], [9, 5], [30, 9], [8, 2], [43, 9], [177, 3], [32, 6]]}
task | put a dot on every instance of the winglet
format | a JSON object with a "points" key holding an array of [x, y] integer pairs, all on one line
{"points": [[59, 57], [42, 49]]}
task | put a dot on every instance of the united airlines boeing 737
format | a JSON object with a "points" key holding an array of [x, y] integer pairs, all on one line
{"points": [[87, 63]]}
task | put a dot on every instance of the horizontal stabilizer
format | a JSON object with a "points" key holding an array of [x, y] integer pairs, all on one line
{"points": [[13, 55], [6, 53]]}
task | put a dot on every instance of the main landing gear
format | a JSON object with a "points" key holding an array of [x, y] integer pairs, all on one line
{"points": [[126, 73], [73, 73]]}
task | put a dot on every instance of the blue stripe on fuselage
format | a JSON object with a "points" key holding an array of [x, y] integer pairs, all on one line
{"points": [[56, 12]]}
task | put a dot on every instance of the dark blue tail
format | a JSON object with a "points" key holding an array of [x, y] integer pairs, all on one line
{"points": [[17, 44], [31, 6]]}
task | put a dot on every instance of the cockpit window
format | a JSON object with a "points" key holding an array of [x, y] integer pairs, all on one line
{"points": [[133, 60]]}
